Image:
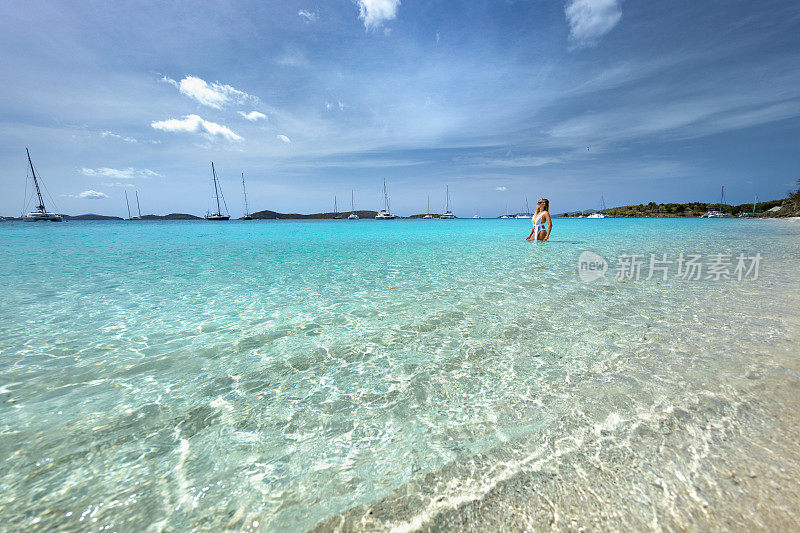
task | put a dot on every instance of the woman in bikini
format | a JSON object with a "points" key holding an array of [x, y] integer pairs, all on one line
{"points": [[539, 218]]}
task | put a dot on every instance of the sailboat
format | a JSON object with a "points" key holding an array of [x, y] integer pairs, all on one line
{"points": [[385, 213], [138, 208], [506, 215], [428, 212], [755, 201], [353, 215], [714, 213], [216, 215], [527, 212], [336, 214], [128, 205], [246, 211], [40, 213], [599, 214], [447, 213]]}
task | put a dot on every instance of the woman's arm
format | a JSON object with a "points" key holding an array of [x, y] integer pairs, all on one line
{"points": [[549, 226], [531, 235]]}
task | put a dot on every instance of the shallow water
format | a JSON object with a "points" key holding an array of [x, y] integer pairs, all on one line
{"points": [[276, 375]]}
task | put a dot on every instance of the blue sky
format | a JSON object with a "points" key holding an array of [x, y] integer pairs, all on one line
{"points": [[634, 100]]}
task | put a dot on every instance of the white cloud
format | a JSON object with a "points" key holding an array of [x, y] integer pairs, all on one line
{"points": [[252, 116], [196, 124], [111, 135], [501, 189], [120, 174], [375, 12], [92, 195], [117, 136], [517, 162], [591, 19], [216, 94], [308, 16], [117, 184], [284, 139]]}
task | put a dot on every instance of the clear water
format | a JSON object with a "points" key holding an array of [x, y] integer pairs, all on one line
{"points": [[277, 374]]}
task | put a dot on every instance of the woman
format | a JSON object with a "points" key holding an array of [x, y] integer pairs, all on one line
{"points": [[539, 218]]}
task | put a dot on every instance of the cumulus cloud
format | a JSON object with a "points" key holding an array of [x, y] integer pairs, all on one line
{"points": [[119, 174], [501, 189], [284, 139], [591, 19], [375, 12], [216, 94], [253, 116], [196, 124], [308, 16], [92, 195]]}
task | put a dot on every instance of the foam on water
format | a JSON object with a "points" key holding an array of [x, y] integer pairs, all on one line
{"points": [[277, 375]]}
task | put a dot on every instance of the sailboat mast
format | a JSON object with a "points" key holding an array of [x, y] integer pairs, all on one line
{"points": [[385, 196], [138, 207], [244, 190], [352, 201], [755, 200], [721, 198], [36, 183], [429, 205], [216, 189], [127, 205], [447, 200], [335, 207]]}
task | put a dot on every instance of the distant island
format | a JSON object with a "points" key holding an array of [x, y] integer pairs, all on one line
{"points": [[272, 215]]}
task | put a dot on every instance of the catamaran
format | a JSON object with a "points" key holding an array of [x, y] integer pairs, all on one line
{"points": [[428, 212], [447, 213], [714, 213], [385, 213], [217, 215], [246, 211], [353, 215], [599, 214], [40, 213]]}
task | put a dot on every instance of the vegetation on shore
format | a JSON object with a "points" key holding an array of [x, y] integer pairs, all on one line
{"points": [[789, 206]]}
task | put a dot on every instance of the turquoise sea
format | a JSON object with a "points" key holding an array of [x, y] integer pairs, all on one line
{"points": [[395, 375]]}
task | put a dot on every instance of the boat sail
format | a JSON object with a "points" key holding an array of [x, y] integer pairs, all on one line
{"points": [[40, 213], [385, 213], [353, 215], [244, 191], [217, 215], [447, 213]]}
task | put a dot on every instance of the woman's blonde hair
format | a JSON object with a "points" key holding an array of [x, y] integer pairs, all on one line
{"points": [[542, 207]]}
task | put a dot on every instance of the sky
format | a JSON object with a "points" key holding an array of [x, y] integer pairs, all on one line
{"points": [[501, 101]]}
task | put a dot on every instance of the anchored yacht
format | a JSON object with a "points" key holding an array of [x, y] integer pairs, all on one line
{"points": [[447, 213], [385, 213], [40, 213], [217, 215]]}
